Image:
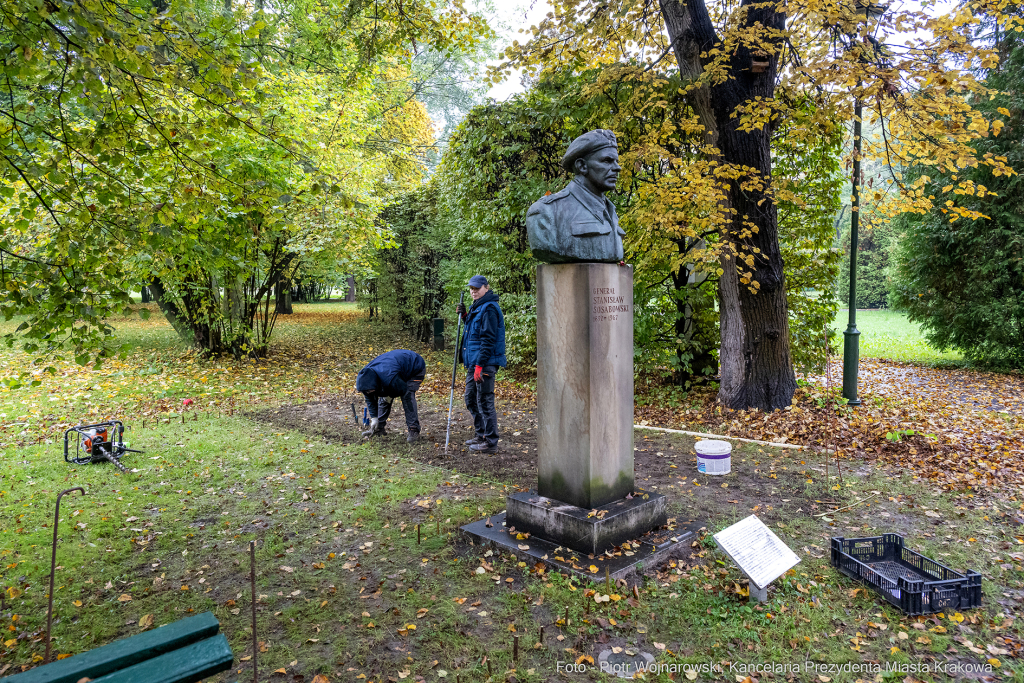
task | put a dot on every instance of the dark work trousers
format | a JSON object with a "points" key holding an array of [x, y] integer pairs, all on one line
{"points": [[480, 401], [412, 417]]}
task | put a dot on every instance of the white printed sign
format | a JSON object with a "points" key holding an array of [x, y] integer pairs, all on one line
{"points": [[756, 550]]}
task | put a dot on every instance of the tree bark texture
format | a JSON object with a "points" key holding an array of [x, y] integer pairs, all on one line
{"points": [[283, 297], [192, 320], [756, 367]]}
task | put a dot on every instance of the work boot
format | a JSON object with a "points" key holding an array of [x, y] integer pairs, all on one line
{"points": [[412, 437], [475, 440], [482, 447]]}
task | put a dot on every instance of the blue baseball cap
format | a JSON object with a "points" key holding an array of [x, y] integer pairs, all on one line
{"points": [[478, 281]]}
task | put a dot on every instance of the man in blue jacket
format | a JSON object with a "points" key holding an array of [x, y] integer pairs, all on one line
{"points": [[482, 353], [390, 375]]}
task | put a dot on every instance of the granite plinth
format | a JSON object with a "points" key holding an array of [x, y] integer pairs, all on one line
{"points": [[589, 531], [648, 550], [585, 382]]}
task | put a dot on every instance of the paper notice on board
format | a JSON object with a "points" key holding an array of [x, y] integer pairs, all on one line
{"points": [[756, 550]]}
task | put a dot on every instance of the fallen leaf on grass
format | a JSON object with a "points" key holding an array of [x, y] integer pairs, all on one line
{"points": [[124, 598], [146, 621]]}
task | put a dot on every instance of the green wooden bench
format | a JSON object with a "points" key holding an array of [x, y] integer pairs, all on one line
{"points": [[186, 651]]}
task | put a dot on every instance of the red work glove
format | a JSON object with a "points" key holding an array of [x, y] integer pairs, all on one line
{"points": [[478, 374]]}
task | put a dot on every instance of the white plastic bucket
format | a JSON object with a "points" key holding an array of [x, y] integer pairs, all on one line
{"points": [[714, 457]]}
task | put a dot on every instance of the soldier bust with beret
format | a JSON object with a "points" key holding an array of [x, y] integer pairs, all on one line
{"points": [[579, 223]]}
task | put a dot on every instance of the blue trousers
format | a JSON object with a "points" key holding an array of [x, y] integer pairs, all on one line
{"points": [[480, 402]]}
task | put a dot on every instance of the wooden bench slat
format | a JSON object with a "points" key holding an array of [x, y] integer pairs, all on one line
{"points": [[187, 665], [123, 653]]}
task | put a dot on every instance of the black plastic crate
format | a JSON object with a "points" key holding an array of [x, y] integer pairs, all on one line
{"points": [[908, 580]]}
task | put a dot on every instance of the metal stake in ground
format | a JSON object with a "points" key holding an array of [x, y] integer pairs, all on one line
{"points": [[252, 582], [53, 568], [455, 366]]}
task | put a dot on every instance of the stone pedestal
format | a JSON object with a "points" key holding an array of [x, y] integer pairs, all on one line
{"points": [[580, 516], [585, 383]]}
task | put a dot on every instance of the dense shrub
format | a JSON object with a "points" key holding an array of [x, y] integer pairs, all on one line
{"points": [[963, 280]]}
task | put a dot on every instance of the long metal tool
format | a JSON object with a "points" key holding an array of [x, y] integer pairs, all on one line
{"points": [[252, 583], [455, 367], [53, 568]]}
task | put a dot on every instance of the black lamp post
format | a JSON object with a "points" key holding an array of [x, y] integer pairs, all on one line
{"points": [[851, 337]]}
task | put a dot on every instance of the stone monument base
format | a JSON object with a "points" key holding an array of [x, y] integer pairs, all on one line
{"points": [[590, 532], [647, 550]]}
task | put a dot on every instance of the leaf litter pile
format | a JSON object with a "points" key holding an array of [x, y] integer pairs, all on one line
{"points": [[961, 429]]}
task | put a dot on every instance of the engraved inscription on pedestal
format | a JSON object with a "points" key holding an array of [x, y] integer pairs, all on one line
{"points": [[608, 306], [756, 550]]}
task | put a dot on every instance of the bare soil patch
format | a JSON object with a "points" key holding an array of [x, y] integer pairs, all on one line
{"points": [[664, 463]]}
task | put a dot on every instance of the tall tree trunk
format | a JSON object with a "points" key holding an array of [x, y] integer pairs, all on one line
{"points": [[702, 363], [756, 367], [170, 311], [283, 297]]}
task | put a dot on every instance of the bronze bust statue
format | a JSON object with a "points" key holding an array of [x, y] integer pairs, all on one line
{"points": [[579, 223]]}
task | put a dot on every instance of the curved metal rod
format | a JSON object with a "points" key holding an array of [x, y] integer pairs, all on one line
{"points": [[53, 568]]}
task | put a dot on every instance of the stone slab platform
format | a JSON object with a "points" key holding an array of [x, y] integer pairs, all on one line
{"points": [[590, 532], [651, 549]]}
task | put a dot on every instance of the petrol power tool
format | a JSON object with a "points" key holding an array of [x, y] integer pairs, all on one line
{"points": [[100, 442]]}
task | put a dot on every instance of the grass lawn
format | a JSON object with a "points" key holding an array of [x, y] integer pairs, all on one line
{"points": [[347, 591], [888, 334]]}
